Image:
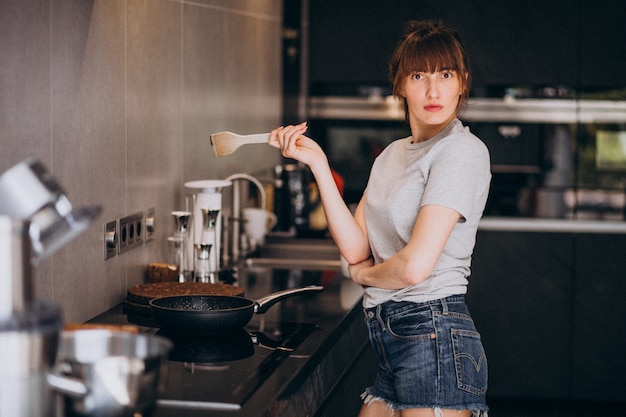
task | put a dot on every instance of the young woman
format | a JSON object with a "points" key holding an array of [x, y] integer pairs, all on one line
{"points": [[410, 240]]}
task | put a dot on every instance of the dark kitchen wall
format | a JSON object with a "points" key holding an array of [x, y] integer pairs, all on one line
{"points": [[118, 98], [573, 43]]}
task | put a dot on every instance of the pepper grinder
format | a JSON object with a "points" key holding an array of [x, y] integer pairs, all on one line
{"points": [[209, 237], [202, 269], [182, 220]]}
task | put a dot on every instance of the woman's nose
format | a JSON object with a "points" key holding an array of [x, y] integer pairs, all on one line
{"points": [[433, 89]]}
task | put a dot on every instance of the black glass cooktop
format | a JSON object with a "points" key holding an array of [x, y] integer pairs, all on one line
{"points": [[242, 370], [223, 371]]}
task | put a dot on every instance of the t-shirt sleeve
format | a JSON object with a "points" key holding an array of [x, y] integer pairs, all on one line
{"points": [[459, 174]]}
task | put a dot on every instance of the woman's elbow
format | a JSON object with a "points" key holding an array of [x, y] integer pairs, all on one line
{"points": [[356, 257], [415, 272]]}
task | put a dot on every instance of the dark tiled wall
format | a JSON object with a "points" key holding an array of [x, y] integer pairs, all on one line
{"points": [[118, 98]]}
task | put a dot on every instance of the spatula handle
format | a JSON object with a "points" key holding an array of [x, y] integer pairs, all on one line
{"points": [[257, 138]]}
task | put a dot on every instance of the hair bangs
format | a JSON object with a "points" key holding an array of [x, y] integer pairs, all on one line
{"points": [[431, 55]]}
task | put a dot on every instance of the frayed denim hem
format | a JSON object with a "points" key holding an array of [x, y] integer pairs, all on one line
{"points": [[369, 398], [475, 413]]}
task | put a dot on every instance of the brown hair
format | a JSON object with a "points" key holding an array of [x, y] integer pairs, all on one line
{"points": [[429, 46]]}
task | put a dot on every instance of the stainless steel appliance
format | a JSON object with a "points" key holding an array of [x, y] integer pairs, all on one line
{"points": [[291, 204], [552, 156], [36, 219]]}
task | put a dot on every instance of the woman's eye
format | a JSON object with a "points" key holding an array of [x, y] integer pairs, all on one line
{"points": [[417, 76], [447, 74]]}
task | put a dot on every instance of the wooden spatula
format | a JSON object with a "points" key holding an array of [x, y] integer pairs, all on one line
{"points": [[225, 143]]}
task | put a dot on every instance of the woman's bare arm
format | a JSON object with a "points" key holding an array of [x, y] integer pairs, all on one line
{"points": [[348, 231], [416, 261]]}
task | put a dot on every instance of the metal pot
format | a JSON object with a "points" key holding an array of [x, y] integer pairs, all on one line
{"points": [[28, 346], [104, 373], [214, 313]]}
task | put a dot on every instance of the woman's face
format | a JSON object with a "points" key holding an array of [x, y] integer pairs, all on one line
{"points": [[432, 99]]}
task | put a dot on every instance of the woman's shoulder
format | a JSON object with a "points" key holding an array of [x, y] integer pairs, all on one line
{"points": [[394, 148], [461, 138], [462, 148]]}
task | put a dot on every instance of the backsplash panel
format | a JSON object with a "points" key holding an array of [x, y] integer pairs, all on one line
{"points": [[118, 98]]}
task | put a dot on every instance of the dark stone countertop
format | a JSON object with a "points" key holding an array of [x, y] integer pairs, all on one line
{"points": [[299, 382]]}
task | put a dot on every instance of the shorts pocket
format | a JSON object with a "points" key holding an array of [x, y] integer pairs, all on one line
{"points": [[470, 361], [411, 325]]}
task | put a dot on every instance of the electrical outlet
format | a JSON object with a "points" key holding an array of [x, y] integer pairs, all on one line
{"points": [[131, 232], [150, 222], [110, 239]]}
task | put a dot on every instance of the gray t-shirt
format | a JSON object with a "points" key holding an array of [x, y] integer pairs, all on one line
{"points": [[453, 170]]}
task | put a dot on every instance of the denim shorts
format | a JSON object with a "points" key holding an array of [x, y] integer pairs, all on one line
{"points": [[429, 356]]}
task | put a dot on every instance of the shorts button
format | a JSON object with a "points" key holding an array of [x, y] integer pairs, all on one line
{"points": [[370, 314]]}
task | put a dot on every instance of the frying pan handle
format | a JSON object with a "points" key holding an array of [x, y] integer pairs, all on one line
{"points": [[263, 304]]}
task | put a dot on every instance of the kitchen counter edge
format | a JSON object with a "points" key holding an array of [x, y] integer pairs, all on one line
{"points": [[506, 224]]}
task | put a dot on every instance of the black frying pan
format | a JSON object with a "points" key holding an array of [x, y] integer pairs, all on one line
{"points": [[214, 313]]}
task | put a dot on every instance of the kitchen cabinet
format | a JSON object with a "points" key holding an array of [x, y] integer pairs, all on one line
{"points": [[520, 295], [346, 397], [602, 36], [569, 43], [549, 306], [599, 310]]}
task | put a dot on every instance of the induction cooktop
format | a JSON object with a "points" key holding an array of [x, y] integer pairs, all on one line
{"points": [[222, 371]]}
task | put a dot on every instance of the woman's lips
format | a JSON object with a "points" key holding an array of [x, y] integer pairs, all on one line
{"points": [[433, 107]]}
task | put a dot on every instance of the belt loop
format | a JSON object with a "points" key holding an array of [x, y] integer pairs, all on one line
{"points": [[379, 317], [444, 304]]}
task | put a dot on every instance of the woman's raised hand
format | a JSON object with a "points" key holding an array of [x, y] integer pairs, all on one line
{"points": [[294, 145]]}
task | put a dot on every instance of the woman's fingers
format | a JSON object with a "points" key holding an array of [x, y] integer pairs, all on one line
{"points": [[285, 138], [274, 141]]}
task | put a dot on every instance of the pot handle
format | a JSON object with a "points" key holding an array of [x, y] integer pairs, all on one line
{"points": [[263, 304], [72, 387]]}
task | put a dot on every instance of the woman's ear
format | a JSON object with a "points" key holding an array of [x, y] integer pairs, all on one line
{"points": [[464, 85]]}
